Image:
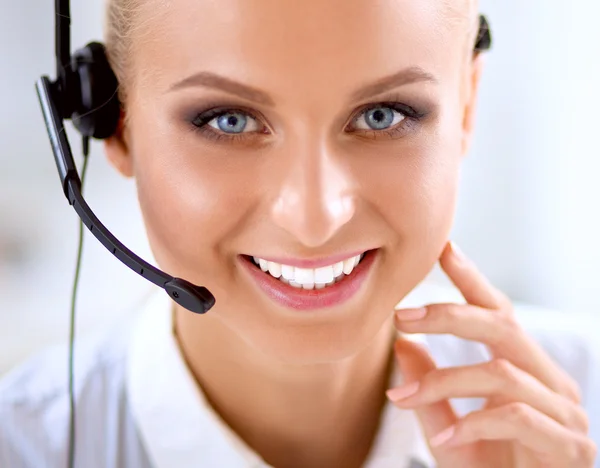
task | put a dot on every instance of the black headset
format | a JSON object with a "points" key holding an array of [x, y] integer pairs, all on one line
{"points": [[86, 92]]}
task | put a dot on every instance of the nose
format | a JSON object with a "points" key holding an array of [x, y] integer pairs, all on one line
{"points": [[315, 198]]}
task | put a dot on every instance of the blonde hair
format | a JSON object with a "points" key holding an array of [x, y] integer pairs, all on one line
{"points": [[119, 27]]}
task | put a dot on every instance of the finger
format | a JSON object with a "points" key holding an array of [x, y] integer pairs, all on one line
{"points": [[524, 352], [524, 425], [499, 330], [472, 284], [415, 362], [462, 320], [498, 379]]}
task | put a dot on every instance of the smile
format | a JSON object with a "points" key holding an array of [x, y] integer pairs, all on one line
{"points": [[310, 285], [309, 278]]}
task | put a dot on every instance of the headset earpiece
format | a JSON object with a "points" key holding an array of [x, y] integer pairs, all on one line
{"points": [[484, 35], [95, 107]]}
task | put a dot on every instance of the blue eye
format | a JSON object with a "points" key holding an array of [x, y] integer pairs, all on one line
{"points": [[389, 120], [379, 118], [234, 122]]}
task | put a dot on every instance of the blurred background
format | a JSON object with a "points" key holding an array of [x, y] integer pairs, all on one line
{"points": [[529, 205]]}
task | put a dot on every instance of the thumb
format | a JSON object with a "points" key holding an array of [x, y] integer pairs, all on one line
{"points": [[415, 362]]}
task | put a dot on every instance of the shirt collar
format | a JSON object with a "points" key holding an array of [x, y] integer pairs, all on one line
{"points": [[179, 428]]}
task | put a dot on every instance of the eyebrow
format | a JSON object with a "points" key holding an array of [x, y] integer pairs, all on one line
{"points": [[403, 77], [212, 80]]}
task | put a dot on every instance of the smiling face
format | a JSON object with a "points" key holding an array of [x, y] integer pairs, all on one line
{"points": [[298, 131]]}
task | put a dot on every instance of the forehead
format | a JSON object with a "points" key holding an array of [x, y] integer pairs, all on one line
{"points": [[290, 47]]}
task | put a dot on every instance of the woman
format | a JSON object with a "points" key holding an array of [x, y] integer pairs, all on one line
{"points": [[300, 160]]}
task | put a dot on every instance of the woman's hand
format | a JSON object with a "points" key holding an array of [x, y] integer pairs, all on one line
{"points": [[531, 418]]}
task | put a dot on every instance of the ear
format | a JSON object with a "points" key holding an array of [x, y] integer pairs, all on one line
{"points": [[473, 80], [118, 149]]}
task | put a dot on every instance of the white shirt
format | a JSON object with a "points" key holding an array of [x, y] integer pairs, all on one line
{"points": [[139, 407]]}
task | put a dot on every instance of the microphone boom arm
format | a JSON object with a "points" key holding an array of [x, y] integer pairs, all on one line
{"points": [[194, 298]]}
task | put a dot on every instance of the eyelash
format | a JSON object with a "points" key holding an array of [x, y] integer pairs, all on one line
{"points": [[200, 122]]}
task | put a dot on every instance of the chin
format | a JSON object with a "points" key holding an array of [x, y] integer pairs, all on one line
{"points": [[328, 340]]}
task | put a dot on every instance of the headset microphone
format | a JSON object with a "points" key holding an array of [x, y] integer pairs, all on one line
{"points": [[86, 92]]}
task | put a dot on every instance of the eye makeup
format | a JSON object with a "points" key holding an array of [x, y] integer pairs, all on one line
{"points": [[412, 118]]}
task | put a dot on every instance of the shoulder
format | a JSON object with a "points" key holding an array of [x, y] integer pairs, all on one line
{"points": [[43, 377], [35, 404]]}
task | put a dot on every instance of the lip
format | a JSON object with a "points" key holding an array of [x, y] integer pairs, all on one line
{"points": [[316, 263], [307, 300]]}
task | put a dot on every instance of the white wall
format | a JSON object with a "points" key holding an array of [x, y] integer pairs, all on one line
{"points": [[528, 211]]}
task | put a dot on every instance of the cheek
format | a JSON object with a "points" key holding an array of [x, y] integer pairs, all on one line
{"points": [[429, 197], [191, 206], [415, 192]]}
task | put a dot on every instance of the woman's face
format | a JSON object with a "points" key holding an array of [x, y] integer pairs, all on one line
{"points": [[341, 130]]}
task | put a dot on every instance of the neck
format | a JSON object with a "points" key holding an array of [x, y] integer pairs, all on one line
{"points": [[312, 415]]}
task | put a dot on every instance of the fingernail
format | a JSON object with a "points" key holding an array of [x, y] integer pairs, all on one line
{"points": [[400, 393], [411, 314], [456, 251], [442, 437]]}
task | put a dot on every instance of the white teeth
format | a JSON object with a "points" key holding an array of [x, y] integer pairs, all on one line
{"points": [[324, 275], [338, 269], [303, 275], [349, 265], [309, 278], [287, 272], [275, 269]]}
